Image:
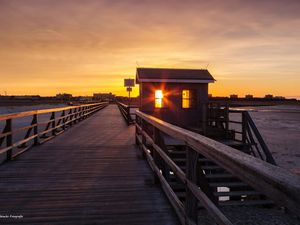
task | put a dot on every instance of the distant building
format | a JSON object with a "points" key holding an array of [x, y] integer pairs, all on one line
{"points": [[27, 97], [234, 96], [84, 98], [248, 96], [4, 97], [20, 97], [279, 98], [268, 96], [104, 96], [64, 96], [210, 95]]}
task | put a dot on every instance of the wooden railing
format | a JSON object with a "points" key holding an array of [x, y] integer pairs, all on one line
{"points": [[278, 184], [243, 130], [15, 139], [250, 135], [126, 113]]}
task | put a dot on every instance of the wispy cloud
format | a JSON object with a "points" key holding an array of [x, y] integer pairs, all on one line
{"points": [[51, 39]]}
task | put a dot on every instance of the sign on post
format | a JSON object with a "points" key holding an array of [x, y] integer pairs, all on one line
{"points": [[129, 82]]}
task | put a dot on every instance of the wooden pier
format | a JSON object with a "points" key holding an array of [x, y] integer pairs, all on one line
{"points": [[91, 174], [96, 172]]}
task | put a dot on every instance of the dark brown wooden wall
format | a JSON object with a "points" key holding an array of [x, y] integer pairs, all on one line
{"points": [[173, 112]]}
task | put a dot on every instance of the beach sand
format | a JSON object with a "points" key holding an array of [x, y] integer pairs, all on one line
{"points": [[280, 128]]}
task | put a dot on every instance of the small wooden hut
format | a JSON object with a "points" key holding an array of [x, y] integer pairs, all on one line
{"points": [[178, 96]]}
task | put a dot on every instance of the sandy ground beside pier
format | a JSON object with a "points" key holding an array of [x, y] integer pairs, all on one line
{"points": [[280, 127]]}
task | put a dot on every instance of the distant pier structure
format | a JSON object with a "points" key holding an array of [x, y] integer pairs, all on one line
{"points": [[176, 96]]}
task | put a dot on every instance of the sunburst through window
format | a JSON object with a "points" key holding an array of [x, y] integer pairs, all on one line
{"points": [[159, 99]]}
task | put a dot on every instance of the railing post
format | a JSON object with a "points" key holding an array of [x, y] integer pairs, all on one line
{"points": [[136, 131], [80, 114], [75, 116], [158, 140], [128, 115], [204, 117], [63, 114], [71, 117], [83, 112], [144, 140], [53, 123], [87, 111], [226, 115], [244, 127], [191, 203], [35, 129], [155, 155], [8, 128]]}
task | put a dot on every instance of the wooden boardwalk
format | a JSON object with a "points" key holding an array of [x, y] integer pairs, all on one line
{"points": [[91, 174]]}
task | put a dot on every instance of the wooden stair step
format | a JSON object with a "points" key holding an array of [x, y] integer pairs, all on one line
{"points": [[219, 175], [199, 160], [228, 184], [246, 202], [176, 152], [236, 193], [211, 167]]}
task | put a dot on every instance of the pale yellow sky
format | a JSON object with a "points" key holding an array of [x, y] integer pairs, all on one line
{"points": [[81, 47]]}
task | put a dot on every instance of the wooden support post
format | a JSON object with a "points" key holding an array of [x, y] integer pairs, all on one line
{"points": [[83, 114], [70, 118], [33, 123], [8, 128], [244, 127], [80, 113], [88, 111], [204, 185], [158, 140], [63, 114], [75, 116], [144, 140], [128, 115], [226, 120], [204, 118], [137, 131], [53, 123], [35, 129], [155, 154], [191, 202]]}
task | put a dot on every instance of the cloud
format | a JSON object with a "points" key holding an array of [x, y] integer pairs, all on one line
{"points": [[50, 38]]}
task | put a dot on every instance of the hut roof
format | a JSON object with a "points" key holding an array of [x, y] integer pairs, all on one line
{"points": [[173, 75]]}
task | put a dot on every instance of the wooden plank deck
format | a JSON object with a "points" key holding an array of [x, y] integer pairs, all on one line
{"points": [[91, 174]]}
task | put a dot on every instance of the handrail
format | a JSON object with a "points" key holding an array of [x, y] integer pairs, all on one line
{"points": [[247, 134], [40, 111], [125, 111], [276, 183], [36, 134], [252, 137], [268, 156]]}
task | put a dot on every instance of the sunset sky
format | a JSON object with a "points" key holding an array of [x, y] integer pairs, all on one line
{"points": [[86, 46]]}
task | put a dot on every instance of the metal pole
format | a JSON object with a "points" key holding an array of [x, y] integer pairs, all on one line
{"points": [[129, 99]]}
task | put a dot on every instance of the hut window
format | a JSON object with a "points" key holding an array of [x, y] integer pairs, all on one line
{"points": [[188, 99], [159, 99]]}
